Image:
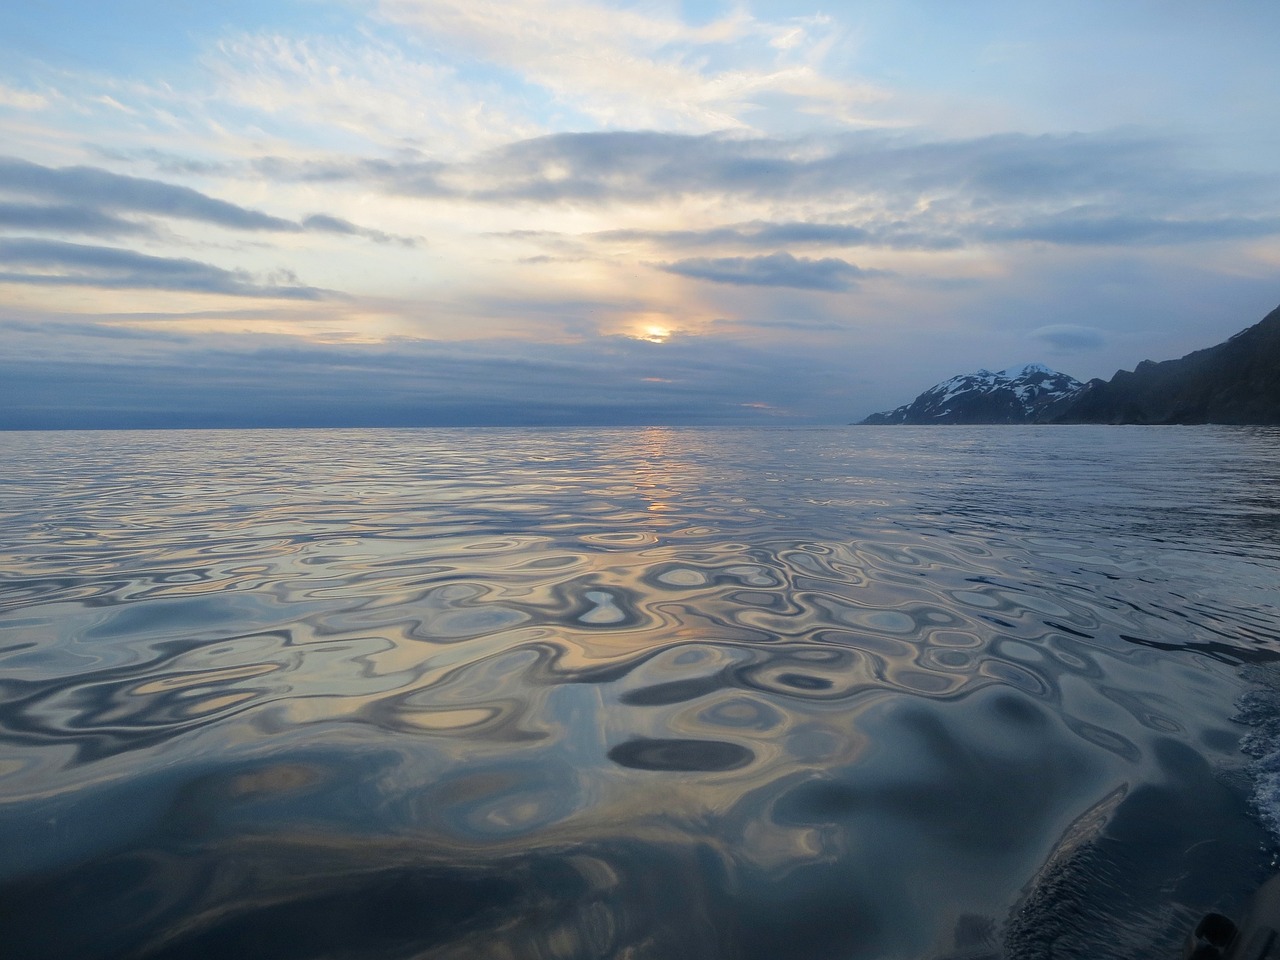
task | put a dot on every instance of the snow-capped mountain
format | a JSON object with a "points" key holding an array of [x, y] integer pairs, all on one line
{"points": [[1017, 395]]}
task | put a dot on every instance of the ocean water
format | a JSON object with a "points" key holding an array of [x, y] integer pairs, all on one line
{"points": [[635, 694]]}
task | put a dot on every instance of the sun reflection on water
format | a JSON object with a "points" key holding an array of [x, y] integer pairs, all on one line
{"points": [[804, 690]]}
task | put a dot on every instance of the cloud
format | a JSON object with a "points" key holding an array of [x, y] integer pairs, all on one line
{"points": [[907, 193], [1069, 336], [364, 87], [911, 195], [324, 223], [773, 270], [568, 167], [546, 258], [166, 161], [102, 331], [1076, 229], [599, 167], [59, 264], [83, 195], [66, 218], [282, 381], [103, 190], [413, 177], [773, 324], [22, 99], [789, 233], [635, 67]]}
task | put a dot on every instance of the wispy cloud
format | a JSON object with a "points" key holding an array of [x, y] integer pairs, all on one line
{"points": [[898, 236], [774, 270], [648, 165], [635, 67], [1097, 228], [56, 263], [908, 192], [330, 90], [731, 174], [1069, 336], [22, 99], [324, 223]]}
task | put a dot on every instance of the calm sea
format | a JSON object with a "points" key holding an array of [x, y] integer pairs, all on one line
{"points": [[636, 694]]}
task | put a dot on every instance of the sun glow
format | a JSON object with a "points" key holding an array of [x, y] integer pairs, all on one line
{"points": [[654, 333]]}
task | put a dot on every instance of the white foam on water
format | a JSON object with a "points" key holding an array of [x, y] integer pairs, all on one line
{"points": [[1260, 709]]}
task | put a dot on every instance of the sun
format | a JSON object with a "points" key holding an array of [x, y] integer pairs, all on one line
{"points": [[651, 326]]}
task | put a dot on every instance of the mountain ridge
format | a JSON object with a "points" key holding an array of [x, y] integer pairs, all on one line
{"points": [[1234, 382], [1019, 394]]}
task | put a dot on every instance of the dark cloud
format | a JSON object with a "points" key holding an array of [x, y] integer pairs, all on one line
{"points": [[57, 263], [1069, 336], [104, 331], [638, 165], [1070, 228], [413, 176], [909, 193], [66, 218], [805, 324], [1110, 187], [579, 167], [87, 199], [320, 221], [790, 233], [326, 224], [774, 270], [1074, 229], [102, 190], [605, 380], [167, 162], [799, 232]]}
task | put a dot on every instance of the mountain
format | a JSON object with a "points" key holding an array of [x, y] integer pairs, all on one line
{"points": [[1237, 381], [1017, 395]]}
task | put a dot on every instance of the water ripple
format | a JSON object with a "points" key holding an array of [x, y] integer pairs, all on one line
{"points": [[809, 692]]}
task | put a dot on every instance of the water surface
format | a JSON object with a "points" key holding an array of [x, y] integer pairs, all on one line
{"points": [[863, 692]]}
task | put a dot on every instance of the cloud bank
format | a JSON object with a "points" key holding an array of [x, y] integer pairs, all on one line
{"points": [[60, 264], [92, 200], [774, 270], [435, 211], [196, 382]]}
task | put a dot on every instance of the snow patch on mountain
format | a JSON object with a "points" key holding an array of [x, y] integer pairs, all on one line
{"points": [[1026, 370], [1021, 394]]}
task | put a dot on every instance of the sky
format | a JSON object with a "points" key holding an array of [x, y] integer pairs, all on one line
{"points": [[553, 212]]}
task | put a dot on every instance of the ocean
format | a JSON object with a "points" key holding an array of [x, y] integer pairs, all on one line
{"points": [[987, 692]]}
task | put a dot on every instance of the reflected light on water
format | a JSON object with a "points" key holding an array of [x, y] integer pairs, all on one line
{"points": [[628, 693]]}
